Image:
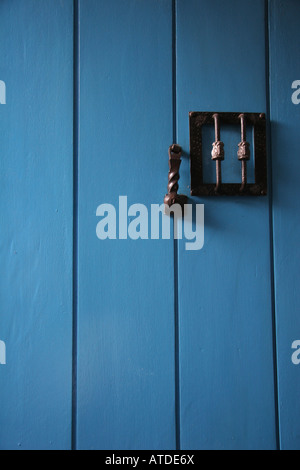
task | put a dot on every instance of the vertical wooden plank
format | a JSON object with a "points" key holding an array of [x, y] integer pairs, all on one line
{"points": [[126, 288], [226, 344], [285, 109], [36, 223]]}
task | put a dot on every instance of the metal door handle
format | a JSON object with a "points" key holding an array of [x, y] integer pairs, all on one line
{"points": [[175, 153]]}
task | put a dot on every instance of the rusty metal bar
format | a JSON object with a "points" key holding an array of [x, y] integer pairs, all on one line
{"points": [[218, 153], [244, 151]]}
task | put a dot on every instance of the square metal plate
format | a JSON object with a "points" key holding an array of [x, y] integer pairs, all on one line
{"points": [[198, 187]]}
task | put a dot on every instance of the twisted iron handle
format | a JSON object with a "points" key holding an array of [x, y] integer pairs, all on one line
{"points": [[175, 153]]}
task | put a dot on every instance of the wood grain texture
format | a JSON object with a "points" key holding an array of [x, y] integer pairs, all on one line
{"points": [[126, 377], [284, 70], [225, 308], [36, 159]]}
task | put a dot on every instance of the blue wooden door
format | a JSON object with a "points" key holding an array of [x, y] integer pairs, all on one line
{"points": [[126, 370], [36, 204], [121, 343]]}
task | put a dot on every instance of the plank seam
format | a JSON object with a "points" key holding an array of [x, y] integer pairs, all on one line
{"points": [[271, 211], [176, 245], [76, 79]]}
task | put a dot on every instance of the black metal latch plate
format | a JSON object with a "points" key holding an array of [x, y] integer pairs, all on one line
{"points": [[258, 122]]}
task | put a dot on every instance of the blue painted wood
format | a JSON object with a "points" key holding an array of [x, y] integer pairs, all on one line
{"points": [[36, 223], [126, 378], [127, 348], [284, 71], [225, 299]]}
